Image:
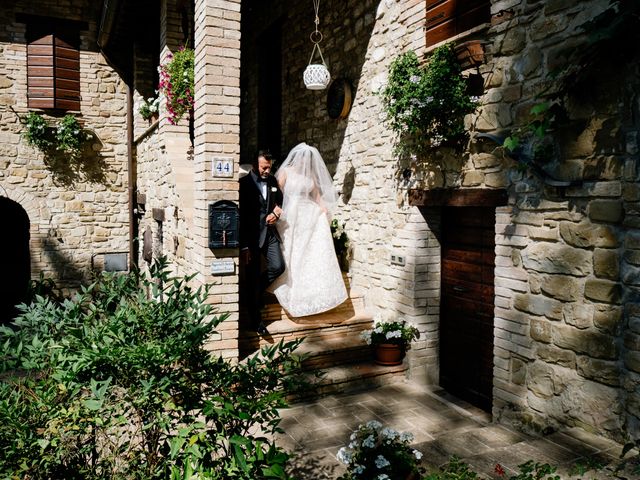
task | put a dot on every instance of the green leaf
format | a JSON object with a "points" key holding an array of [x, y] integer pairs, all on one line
{"points": [[511, 143], [43, 443], [540, 108], [93, 404]]}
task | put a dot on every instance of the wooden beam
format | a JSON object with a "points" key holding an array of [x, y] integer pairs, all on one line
{"points": [[465, 197]]}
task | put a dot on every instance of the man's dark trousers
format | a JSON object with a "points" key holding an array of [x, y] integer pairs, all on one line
{"points": [[259, 281]]}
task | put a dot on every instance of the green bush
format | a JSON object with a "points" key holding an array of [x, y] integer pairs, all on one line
{"points": [[116, 383], [426, 105]]}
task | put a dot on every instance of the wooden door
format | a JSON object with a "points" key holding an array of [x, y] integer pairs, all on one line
{"points": [[466, 309]]}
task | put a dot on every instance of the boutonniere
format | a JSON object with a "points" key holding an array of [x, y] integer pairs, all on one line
{"points": [[274, 189]]}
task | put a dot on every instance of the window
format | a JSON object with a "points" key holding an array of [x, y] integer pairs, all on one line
{"points": [[53, 66], [447, 18]]}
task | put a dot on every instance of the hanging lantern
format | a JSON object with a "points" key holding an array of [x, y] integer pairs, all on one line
{"points": [[316, 76]]}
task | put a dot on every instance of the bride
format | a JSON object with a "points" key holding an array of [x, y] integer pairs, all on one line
{"points": [[312, 281]]}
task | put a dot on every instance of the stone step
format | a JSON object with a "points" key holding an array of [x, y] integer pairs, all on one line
{"points": [[350, 378], [325, 327], [324, 353]]}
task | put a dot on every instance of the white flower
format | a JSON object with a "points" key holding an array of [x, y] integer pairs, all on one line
{"points": [[406, 437], [369, 442], [393, 334], [428, 99], [377, 330], [389, 433], [414, 78], [344, 456], [417, 454], [374, 424], [366, 336], [274, 189], [358, 469], [382, 476], [381, 462]]}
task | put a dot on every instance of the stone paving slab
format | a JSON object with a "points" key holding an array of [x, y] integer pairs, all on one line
{"points": [[442, 425]]}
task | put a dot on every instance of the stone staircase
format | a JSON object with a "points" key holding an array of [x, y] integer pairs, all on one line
{"points": [[336, 359]]}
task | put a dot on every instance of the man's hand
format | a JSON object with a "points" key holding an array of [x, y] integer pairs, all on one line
{"points": [[274, 216]]}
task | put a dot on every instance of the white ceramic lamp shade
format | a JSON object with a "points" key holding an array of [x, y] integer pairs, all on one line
{"points": [[316, 76]]}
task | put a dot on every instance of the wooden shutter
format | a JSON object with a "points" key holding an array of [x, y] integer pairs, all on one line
{"points": [[447, 18], [53, 72]]}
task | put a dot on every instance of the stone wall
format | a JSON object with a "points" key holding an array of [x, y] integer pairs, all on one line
{"points": [[72, 226], [566, 315], [563, 340]]}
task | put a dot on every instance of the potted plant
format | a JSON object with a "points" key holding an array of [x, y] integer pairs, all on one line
{"points": [[377, 452], [389, 340], [149, 108], [340, 243], [425, 105], [177, 83]]}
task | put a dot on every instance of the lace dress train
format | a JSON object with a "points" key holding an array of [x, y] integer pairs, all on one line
{"points": [[312, 282]]}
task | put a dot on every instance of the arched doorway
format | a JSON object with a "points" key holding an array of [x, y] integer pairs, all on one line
{"points": [[14, 245]]}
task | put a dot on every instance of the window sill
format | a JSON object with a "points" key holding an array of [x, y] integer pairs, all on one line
{"points": [[466, 35]]}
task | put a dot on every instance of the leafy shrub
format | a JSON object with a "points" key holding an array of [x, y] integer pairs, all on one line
{"points": [[426, 105], [116, 383]]}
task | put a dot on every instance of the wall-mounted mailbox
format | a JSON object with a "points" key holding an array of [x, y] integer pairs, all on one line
{"points": [[223, 225]]}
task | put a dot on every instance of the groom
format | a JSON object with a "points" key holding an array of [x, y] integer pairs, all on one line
{"points": [[260, 202]]}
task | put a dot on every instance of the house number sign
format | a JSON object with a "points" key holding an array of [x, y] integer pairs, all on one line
{"points": [[222, 167]]}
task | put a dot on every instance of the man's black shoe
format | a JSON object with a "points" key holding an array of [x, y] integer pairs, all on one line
{"points": [[261, 329]]}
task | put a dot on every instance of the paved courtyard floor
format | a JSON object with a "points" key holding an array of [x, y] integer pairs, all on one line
{"points": [[442, 425]]}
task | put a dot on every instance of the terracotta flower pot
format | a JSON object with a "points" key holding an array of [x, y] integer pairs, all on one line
{"points": [[388, 354]]}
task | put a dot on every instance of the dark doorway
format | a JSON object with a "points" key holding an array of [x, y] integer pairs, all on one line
{"points": [[270, 89], [466, 311], [14, 244]]}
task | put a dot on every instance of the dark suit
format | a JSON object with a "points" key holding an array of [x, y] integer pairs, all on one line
{"points": [[261, 239]]}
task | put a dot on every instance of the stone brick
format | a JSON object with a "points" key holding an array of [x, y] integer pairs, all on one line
{"points": [[630, 275], [547, 257], [606, 264], [486, 160], [538, 305], [603, 168], [540, 330], [518, 371], [610, 211], [632, 361], [586, 234], [543, 380], [584, 341], [578, 315], [561, 287], [513, 42], [601, 371], [632, 341], [603, 291], [553, 354], [472, 178]]}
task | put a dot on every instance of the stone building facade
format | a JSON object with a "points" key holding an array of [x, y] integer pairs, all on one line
{"points": [[73, 225], [565, 343]]}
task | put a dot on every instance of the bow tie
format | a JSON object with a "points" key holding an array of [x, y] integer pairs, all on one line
{"points": [[260, 179]]}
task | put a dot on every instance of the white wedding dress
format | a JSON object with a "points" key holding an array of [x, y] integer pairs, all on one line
{"points": [[312, 281]]}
